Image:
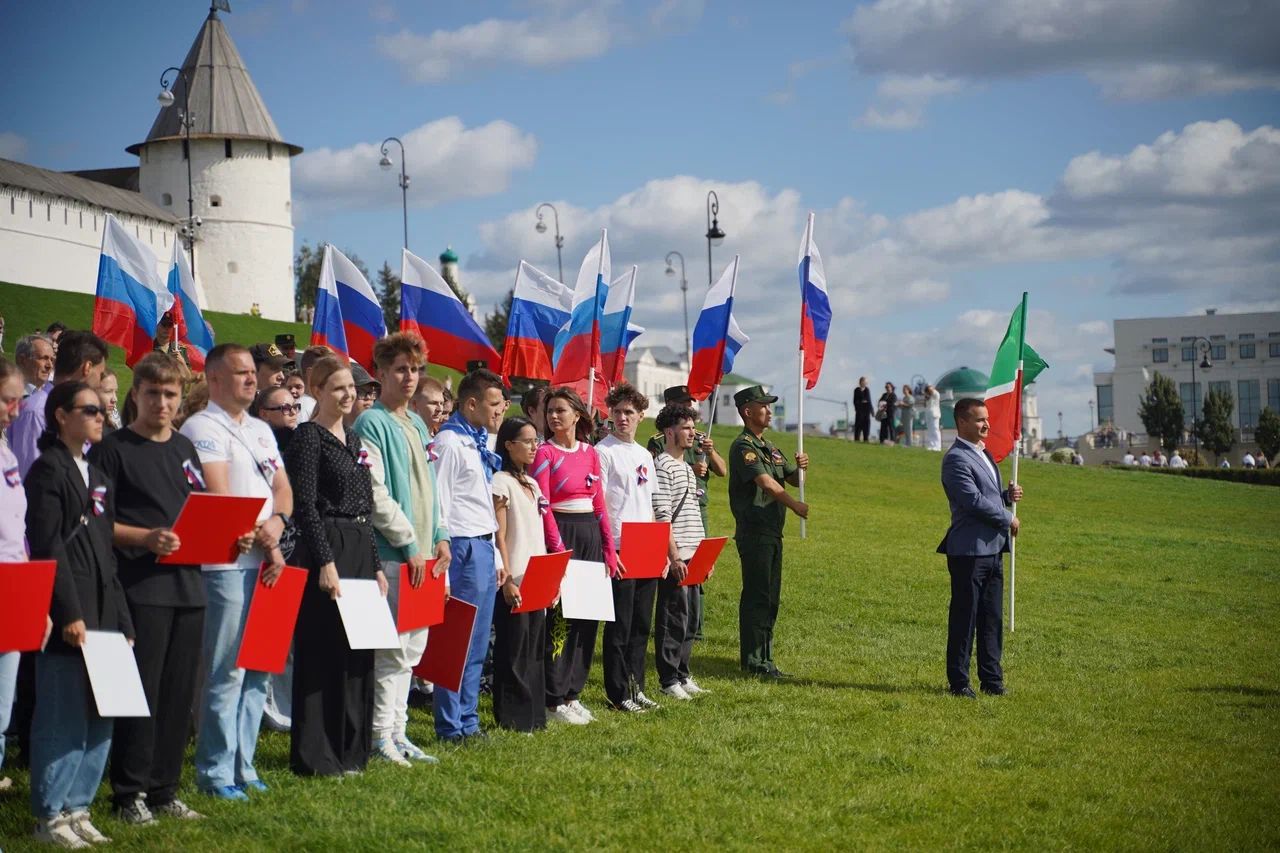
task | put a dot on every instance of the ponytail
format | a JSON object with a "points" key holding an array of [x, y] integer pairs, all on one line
{"points": [[61, 397]]}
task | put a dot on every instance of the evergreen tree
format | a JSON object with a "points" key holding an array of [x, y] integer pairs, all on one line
{"points": [[495, 324], [1161, 412], [1216, 432], [1267, 434], [388, 290]]}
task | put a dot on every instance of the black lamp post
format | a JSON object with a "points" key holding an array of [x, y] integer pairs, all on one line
{"points": [[166, 100], [385, 163], [684, 293], [1200, 344], [715, 234], [541, 228]]}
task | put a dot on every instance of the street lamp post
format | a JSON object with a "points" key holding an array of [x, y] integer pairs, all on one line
{"points": [[385, 163], [684, 293], [715, 234], [541, 228], [166, 99], [1200, 344]]}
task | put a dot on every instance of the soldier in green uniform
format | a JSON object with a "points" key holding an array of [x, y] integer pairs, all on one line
{"points": [[705, 461], [759, 501]]}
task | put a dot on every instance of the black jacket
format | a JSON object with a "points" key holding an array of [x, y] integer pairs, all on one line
{"points": [[62, 526]]}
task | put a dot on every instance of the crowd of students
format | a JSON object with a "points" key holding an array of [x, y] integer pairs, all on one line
{"points": [[379, 477]]}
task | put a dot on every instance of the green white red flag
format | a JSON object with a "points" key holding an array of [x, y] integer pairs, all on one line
{"points": [[1016, 366]]}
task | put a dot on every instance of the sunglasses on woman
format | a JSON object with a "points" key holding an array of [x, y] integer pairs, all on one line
{"points": [[287, 408], [90, 411]]}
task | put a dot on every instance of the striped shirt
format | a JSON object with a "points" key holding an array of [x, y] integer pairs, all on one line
{"points": [[676, 483]]}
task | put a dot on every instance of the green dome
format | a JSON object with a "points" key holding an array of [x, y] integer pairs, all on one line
{"points": [[448, 256], [961, 382]]}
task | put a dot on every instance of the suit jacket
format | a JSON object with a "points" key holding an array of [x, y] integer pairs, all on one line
{"points": [[63, 526], [979, 518], [862, 400]]}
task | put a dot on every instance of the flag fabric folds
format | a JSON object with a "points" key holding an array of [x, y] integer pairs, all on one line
{"points": [[616, 329], [815, 307], [711, 335], [348, 318], [1016, 366], [429, 307], [131, 294], [540, 307], [189, 324], [732, 345], [577, 349]]}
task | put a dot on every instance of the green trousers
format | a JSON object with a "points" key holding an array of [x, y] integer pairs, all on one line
{"points": [[758, 607]]}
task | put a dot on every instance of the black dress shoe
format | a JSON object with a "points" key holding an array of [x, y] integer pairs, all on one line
{"points": [[965, 692], [994, 689]]}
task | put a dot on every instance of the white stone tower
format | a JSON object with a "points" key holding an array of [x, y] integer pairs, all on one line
{"points": [[240, 178]]}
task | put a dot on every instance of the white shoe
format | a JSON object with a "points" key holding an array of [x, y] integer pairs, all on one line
{"points": [[645, 702], [582, 711], [387, 751], [565, 714], [676, 691], [57, 831], [691, 687], [83, 827], [628, 706]]}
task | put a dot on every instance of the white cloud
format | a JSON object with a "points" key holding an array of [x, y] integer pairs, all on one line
{"points": [[900, 100], [12, 145], [445, 161]]}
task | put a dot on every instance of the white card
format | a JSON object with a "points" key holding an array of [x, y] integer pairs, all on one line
{"points": [[366, 616], [586, 592], [113, 675]]}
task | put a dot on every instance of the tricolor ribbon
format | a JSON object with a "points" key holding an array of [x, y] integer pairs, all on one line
{"points": [[12, 477], [432, 456], [543, 505], [700, 494], [592, 479], [194, 477], [642, 474], [363, 459], [269, 466], [99, 500]]}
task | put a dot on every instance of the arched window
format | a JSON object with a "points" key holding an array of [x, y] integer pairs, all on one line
{"points": [[166, 199]]}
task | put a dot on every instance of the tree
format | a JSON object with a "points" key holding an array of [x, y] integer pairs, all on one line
{"points": [[1161, 412], [1267, 433], [1216, 432], [306, 273], [389, 296], [495, 324]]}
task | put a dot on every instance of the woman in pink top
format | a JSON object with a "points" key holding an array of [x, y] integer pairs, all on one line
{"points": [[567, 470]]}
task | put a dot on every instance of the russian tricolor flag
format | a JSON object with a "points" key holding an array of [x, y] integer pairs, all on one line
{"points": [[189, 324], [348, 317], [577, 350], [131, 294], [616, 329], [815, 308], [429, 307], [540, 308], [713, 353]]}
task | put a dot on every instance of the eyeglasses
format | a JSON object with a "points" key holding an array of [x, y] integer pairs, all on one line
{"points": [[367, 394], [287, 408], [527, 442], [90, 411]]}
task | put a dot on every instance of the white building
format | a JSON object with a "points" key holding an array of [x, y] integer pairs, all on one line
{"points": [[50, 222], [653, 370], [1243, 351]]}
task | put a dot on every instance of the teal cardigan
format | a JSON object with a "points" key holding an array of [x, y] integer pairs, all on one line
{"points": [[378, 427]]}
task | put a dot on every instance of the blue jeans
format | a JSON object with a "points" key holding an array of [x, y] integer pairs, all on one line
{"points": [[8, 682], [231, 706], [69, 741], [472, 578]]}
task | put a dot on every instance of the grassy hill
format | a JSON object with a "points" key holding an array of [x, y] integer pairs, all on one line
{"points": [[1144, 710]]}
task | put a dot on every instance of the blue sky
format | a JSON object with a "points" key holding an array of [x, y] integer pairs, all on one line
{"points": [[1115, 162]]}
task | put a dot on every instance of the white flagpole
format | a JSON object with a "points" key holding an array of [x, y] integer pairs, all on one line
{"points": [[1013, 540], [804, 525], [595, 331]]}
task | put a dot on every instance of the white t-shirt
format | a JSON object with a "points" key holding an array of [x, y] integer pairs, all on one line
{"points": [[250, 448], [523, 536], [1177, 462], [308, 404], [628, 472]]}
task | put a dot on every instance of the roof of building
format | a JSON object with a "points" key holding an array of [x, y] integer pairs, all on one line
{"points": [[664, 355], [448, 256], [124, 177], [224, 102], [76, 188], [738, 379], [962, 379]]}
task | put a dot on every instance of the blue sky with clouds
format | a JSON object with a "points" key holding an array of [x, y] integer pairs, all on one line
{"points": [[1116, 159]]}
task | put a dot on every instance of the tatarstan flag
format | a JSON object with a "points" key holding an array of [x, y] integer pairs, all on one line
{"points": [[1017, 365]]}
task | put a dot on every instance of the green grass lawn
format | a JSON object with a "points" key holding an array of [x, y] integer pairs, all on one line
{"points": [[1144, 709]]}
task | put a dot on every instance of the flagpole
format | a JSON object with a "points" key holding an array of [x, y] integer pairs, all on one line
{"points": [[595, 330], [1017, 454], [808, 238]]}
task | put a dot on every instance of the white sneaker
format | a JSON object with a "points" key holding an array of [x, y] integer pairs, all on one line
{"points": [[676, 691], [629, 707], [565, 714], [645, 702], [83, 827], [387, 751], [582, 711], [57, 831], [691, 687]]}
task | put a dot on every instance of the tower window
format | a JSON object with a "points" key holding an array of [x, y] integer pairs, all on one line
{"points": [[215, 201], [233, 267], [269, 151], [226, 144], [166, 199]]}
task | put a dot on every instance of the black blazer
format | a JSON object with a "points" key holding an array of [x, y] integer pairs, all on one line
{"points": [[862, 400], [62, 526]]}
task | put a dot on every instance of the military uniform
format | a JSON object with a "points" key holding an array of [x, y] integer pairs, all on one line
{"points": [[758, 534]]}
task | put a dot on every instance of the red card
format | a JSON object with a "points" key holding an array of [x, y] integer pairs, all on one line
{"points": [[447, 645], [703, 560], [541, 582], [421, 607], [24, 604], [209, 526], [268, 630], [644, 548]]}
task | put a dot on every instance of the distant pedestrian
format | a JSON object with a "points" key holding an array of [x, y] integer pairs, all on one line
{"points": [[885, 413], [907, 407], [1248, 461], [932, 418], [862, 411]]}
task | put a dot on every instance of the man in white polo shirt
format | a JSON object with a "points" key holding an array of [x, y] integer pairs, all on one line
{"points": [[239, 457]]}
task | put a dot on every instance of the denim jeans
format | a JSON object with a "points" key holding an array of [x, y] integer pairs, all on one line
{"points": [[8, 683], [69, 741], [231, 706], [473, 579]]}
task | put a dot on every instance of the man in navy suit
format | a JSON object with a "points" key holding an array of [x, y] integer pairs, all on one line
{"points": [[980, 532]]}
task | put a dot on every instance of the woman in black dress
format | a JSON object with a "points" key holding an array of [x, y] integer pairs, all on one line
{"points": [[888, 406], [333, 502]]}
